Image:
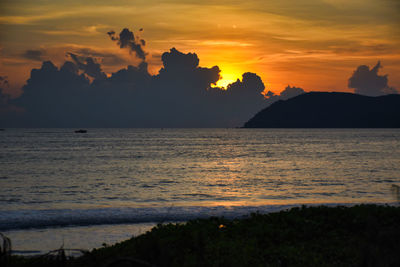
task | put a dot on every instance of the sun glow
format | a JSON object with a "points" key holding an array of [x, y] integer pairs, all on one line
{"points": [[223, 82], [228, 75]]}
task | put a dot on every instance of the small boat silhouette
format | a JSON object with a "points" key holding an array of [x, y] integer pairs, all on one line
{"points": [[81, 131]]}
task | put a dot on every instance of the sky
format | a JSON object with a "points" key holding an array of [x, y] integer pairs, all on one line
{"points": [[314, 45]]}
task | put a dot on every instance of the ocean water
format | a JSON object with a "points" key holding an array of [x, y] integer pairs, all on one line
{"points": [[82, 190]]}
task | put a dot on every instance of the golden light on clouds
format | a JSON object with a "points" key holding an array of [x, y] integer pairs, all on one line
{"points": [[225, 80], [228, 75], [313, 44]]}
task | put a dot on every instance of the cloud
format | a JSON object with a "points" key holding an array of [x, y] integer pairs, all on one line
{"points": [[182, 71], [3, 103], [3, 97], [289, 92], [7, 110], [177, 61], [241, 100], [250, 85], [52, 97], [132, 75], [4, 81], [36, 55], [182, 94], [108, 59], [89, 66], [126, 39], [369, 82]]}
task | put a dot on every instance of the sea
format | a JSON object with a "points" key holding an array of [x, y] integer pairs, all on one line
{"points": [[73, 190]]}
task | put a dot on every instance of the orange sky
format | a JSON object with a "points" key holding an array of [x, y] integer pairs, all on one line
{"points": [[312, 44]]}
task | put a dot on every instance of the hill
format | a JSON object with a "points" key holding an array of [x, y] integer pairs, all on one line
{"points": [[330, 110]]}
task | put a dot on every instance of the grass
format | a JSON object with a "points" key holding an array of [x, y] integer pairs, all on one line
{"points": [[363, 235]]}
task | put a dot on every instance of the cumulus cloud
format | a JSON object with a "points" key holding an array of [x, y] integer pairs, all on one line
{"points": [[89, 66], [7, 110], [132, 75], [3, 97], [36, 55], [3, 102], [289, 92], [52, 97], [182, 94], [251, 85], [181, 72], [127, 39], [368, 82], [177, 61], [242, 99]]}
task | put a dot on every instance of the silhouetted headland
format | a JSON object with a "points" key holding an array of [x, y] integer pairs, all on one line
{"points": [[330, 110]]}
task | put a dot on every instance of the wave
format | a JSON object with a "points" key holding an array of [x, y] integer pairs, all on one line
{"points": [[38, 219], [25, 219]]}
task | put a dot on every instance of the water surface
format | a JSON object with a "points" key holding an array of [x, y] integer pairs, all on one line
{"points": [[57, 178]]}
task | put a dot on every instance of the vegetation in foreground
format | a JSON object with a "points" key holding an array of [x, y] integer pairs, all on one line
{"points": [[364, 235]]}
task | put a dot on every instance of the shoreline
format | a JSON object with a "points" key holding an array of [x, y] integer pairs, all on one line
{"points": [[40, 240], [37, 219], [302, 234]]}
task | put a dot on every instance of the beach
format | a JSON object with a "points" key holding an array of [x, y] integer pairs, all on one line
{"points": [[108, 185], [362, 235]]}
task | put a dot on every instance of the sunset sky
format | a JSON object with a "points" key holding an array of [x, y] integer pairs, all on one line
{"points": [[312, 44]]}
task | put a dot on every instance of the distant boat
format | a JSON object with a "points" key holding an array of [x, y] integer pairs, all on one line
{"points": [[81, 131]]}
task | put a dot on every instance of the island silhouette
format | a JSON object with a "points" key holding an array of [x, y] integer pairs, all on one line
{"points": [[330, 110]]}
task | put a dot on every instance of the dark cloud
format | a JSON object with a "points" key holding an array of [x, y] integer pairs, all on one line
{"points": [[108, 59], [132, 75], [89, 66], [53, 97], [289, 92], [180, 95], [369, 82], [241, 100], [7, 110], [4, 81], [269, 94], [3, 103], [69, 66], [177, 61], [126, 39], [181, 74], [250, 85], [3, 97], [390, 90], [36, 55]]}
